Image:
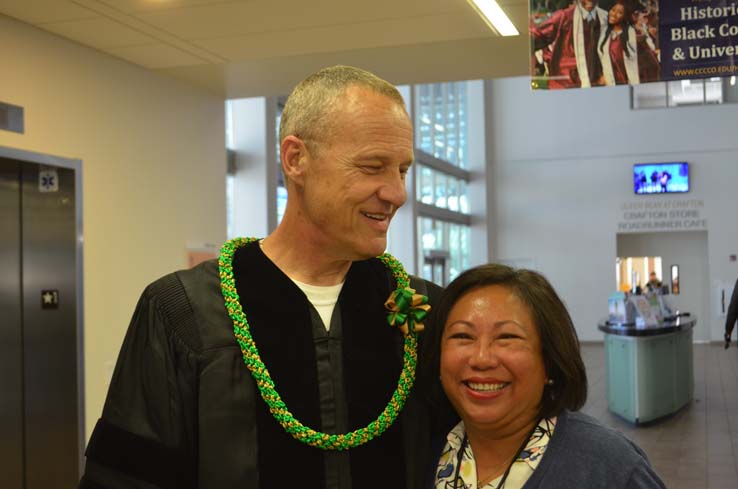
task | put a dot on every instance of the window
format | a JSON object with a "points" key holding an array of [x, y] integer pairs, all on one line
{"points": [[680, 93], [442, 190], [441, 121], [444, 247], [443, 219]]}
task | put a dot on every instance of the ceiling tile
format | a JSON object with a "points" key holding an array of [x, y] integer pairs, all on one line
{"points": [[156, 56], [431, 62], [42, 11], [134, 6], [232, 19], [100, 33], [277, 41], [432, 28]]}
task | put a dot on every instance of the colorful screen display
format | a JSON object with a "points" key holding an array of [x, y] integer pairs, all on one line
{"points": [[660, 178]]}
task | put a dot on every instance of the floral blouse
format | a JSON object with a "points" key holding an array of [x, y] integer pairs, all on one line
{"points": [[465, 477]]}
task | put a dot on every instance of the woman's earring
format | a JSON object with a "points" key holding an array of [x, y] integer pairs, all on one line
{"points": [[550, 382]]}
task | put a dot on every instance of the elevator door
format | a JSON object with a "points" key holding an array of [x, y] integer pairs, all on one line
{"points": [[39, 412]]}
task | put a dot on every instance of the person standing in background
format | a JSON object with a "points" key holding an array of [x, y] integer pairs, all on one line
{"points": [[617, 49], [569, 41]]}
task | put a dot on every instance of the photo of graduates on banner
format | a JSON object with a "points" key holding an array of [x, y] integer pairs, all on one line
{"points": [[589, 43]]}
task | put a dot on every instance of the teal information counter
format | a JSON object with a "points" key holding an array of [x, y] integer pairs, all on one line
{"points": [[649, 369]]}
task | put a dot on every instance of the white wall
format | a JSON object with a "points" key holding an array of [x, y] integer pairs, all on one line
{"points": [[561, 173], [153, 166]]}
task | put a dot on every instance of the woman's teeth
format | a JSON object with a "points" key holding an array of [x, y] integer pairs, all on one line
{"points": [[485, 387]]}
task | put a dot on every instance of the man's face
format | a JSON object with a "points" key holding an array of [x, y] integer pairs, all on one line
{"points": [[588, 5], [355, 177]]}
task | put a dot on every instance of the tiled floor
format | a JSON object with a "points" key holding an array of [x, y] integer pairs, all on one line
{"points": [[697, 448]]}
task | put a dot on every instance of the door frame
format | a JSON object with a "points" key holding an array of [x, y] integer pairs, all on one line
{"points": [[76, 165], [705, 317]]}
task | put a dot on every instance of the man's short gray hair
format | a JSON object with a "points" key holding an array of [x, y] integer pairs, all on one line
{"points": [[305, 114]]}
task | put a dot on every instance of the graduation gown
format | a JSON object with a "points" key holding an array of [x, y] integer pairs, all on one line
{"points": [[184, 412], [569, 48]]}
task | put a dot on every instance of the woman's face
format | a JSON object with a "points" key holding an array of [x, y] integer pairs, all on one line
{"points": [[616, 14], [492, 367]]}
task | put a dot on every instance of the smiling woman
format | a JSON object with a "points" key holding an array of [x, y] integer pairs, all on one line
{"points": [[491, 364], [510, 367]]}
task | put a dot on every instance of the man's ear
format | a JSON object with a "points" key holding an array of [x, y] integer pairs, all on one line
{"points": [[294, 155]]}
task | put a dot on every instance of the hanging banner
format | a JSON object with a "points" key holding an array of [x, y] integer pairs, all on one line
{"points": [[701, 40], [588, 43]]}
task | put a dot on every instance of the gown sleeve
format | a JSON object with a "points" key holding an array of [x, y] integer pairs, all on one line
{"points": [[146, 437], [545, 33], [732, 315]]}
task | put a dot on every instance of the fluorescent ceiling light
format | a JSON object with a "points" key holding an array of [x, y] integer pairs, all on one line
{"points": [[494, 17]]}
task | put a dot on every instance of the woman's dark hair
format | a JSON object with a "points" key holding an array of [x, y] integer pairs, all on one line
{"points": [[559, 343], [627, 15]]}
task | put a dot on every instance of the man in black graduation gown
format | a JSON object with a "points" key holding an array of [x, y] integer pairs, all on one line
{"points": [[183, 411]]}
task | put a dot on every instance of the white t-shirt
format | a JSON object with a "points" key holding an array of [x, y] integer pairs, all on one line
{"points": [[322, 298]]}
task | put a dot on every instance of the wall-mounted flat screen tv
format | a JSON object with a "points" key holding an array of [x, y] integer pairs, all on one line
{"points": [[661, 178]]}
